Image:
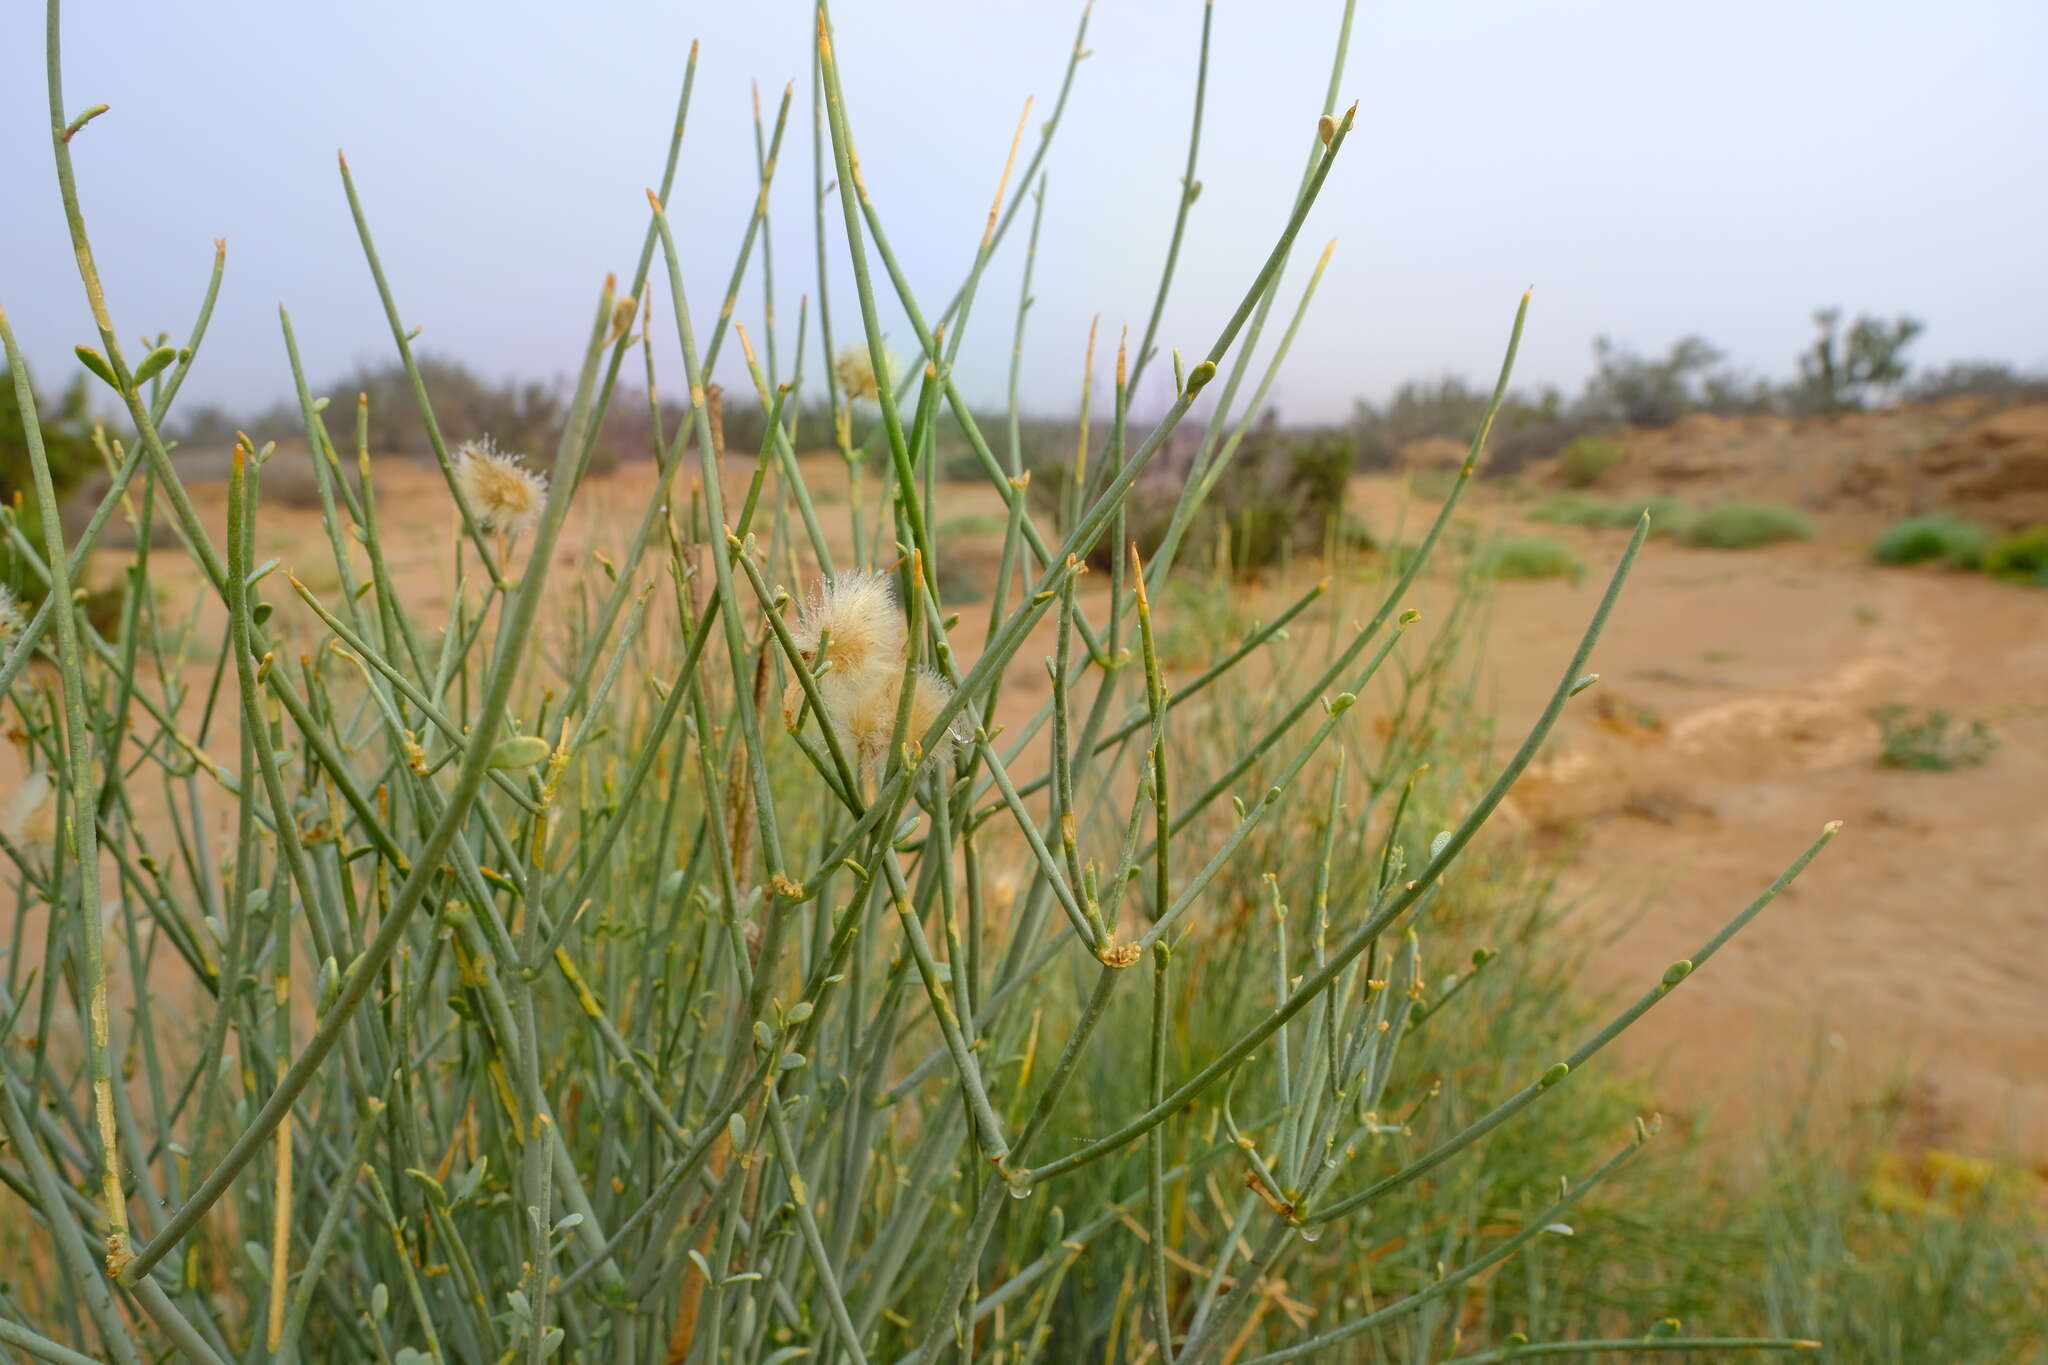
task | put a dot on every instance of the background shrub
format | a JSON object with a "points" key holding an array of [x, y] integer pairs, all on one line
{"points": [[1669, 516], [1850, 370], [1276, 494], [67, 430], [1588, 457], [1746, 525], [1530, 557], [1931, 742], [1940, 535], [1646, 392], [2019, 556]]}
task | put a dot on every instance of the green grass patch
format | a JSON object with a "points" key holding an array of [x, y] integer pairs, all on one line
{"points": [[971, 524], [1530, 557], [2019, 556], [1933, 741], [1747, 525], [1588, 457], [1937, 536], [1668, 515]]}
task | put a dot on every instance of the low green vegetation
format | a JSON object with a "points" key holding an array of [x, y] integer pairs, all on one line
{"points": [[1260, 496], [67, 431], [1746, 525], [1942, 536], [1930, 741], [2019, 556], [1586, 458], [1529, 557], [1669, 516]]}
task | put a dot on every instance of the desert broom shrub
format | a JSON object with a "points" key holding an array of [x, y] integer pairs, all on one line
{"points": [[484, 974]]}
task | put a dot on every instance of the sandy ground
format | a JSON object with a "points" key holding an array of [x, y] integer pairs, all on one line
{"points": [[1731, 722], [1737, 690]]}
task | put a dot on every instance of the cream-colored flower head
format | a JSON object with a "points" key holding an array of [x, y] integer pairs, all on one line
{"points": [[32, 814], [503, 493], [855, 619], [860, 374], [11, 623], [930, 698], [856, 616], [869, 720]]}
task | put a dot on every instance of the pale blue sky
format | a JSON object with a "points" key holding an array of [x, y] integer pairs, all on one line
{"points": [[1651, 169]]}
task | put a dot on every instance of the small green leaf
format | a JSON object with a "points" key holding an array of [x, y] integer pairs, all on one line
{"points": [[154, 364], [431, 1185], [97, 363]]}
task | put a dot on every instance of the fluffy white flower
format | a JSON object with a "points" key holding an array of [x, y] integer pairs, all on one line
{"points": [[854, 618], [32, 814], [11, 622], [502, 492], [859, 374]]}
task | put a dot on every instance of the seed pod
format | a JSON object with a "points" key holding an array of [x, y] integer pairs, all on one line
{"points": [[520, 751]]}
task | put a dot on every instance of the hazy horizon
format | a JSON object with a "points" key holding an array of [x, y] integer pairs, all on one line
{"points": [[1650, 177]]}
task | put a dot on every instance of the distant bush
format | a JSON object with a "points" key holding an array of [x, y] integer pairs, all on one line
{"points": [[1575, 509], [1281, 494], [1448, 406], [1524, 429], [67, 441], [1746, 525], [1512, 450], [1587, 458], [1940, 535], [1529, 557], [1979, 379], [1848, 370], [1933, 742], [1669, 516], [2020, 556], [1646, 392]]}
